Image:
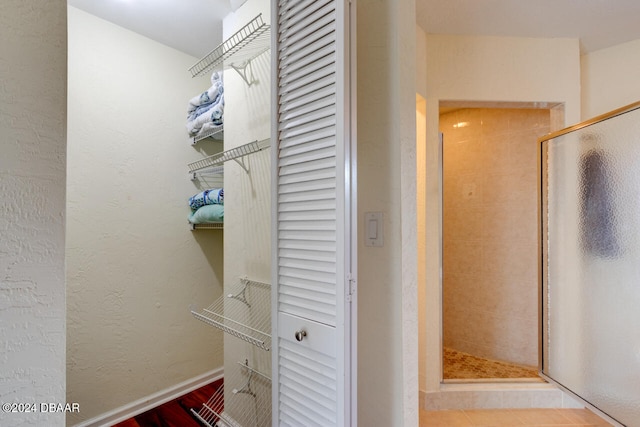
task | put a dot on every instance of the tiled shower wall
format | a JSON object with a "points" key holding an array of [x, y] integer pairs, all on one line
{"points": [[490, 256]]}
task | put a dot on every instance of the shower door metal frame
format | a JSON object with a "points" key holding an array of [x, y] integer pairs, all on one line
{"points": [[543, 249]]}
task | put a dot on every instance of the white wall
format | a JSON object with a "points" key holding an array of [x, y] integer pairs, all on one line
{"points": [[134, 267], [32, 208], [247, 243], [387, 307], [505, 69], [609, 79]]}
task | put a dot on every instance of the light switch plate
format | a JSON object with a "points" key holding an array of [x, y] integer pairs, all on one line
{"points": [[373, 229]]}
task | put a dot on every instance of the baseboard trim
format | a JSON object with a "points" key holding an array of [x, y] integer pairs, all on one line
{"points": [[139, 406]]}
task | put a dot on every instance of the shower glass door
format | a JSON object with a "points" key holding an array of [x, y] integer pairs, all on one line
{"points": [[590, 225]]}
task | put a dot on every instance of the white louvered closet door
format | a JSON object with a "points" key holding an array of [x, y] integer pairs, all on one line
{"points": [[313, 204]]}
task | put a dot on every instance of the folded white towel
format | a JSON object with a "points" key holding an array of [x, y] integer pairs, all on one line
{"points": [[215, 77], [210, 96], [213, 115]]}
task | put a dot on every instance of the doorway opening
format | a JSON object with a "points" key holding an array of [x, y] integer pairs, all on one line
{"points": [[490, 239]]}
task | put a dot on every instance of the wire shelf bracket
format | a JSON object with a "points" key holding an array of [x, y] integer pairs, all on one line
{"points": [[237, 51], [246, 72], [236, 154], [246, 389]]}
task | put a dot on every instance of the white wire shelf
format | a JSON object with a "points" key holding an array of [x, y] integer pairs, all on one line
{"points": [[235, 154], [207, 226], [248, 405], [212, 410], [245, 313], [237, 51], [215, 132]]}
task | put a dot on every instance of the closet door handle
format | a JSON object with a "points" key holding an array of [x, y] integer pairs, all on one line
{"points": [[300, 334]]}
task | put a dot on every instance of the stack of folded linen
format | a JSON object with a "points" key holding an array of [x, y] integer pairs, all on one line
{"points": [[207, 206], [205, 111]]}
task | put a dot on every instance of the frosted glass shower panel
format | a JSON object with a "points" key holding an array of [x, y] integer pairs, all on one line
{"points": [[591, 263]]}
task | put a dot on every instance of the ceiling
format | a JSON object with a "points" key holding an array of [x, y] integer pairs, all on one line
{"points": [[597, 23], [191, 26], [195, 26]]}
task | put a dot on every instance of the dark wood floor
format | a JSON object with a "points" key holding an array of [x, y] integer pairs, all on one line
{"points": [[176, 413]]}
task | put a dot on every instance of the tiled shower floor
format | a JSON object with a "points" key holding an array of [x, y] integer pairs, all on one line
{"points": [[459, 365]]}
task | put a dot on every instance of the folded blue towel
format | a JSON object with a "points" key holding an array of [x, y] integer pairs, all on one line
{"points": [[213, 196], [206, 214]]}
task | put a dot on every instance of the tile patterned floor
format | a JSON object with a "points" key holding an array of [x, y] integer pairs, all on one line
{"points": [[460, 365], [512, 418]]}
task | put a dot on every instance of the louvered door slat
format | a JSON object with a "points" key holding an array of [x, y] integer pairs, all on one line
{"points": [[312, 175], [298, 245], [298, 283], [316, 157], [306, 31], [301, 276], [299, 372], [307, 201], [322, 93], [311, 81], [321, 138], [293, 131], [292, 12], [298, 415], [311, 32], [319, 215], [305, 206], [288, 96], [295, 9], [313, 57], [300, 305], [317, 197], [307, 225], [305, 108], [320, 236], [323, 189], [298, 311], [324, 294], [311, 117], [298, 393]]}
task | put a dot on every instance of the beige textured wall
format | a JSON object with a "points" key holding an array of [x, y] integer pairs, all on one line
{"points": [[33, 67], [133, 265], [609, 79], [387, 303], [490, 281]]}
